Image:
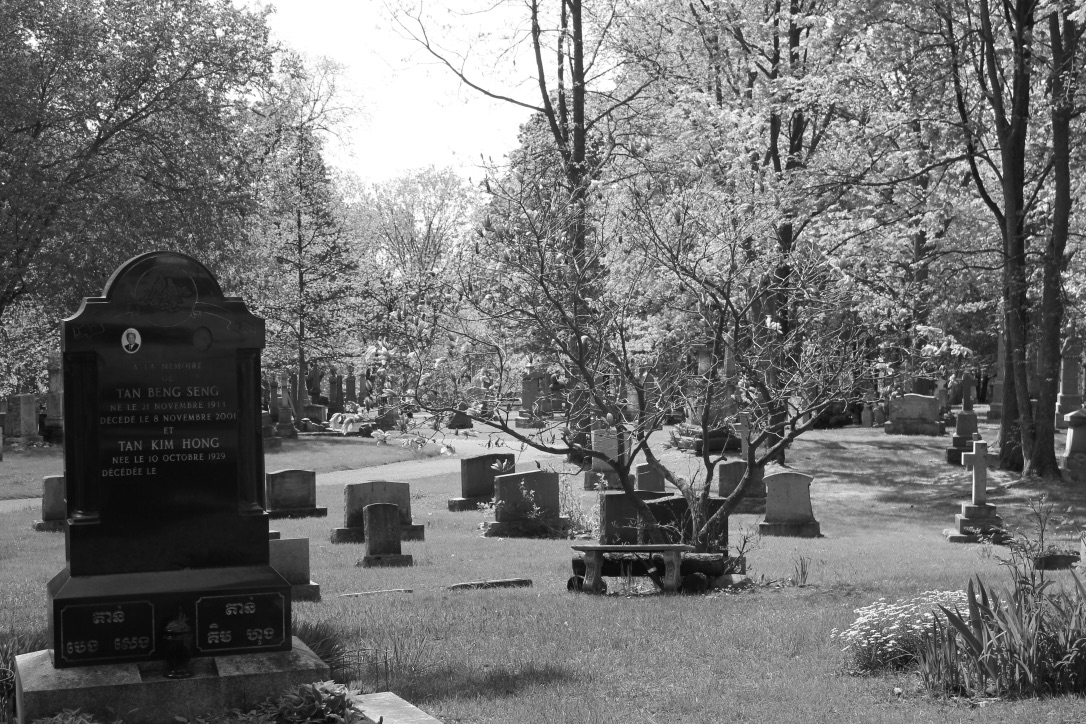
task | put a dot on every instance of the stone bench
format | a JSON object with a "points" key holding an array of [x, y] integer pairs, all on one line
{"points": [[667, 556]]}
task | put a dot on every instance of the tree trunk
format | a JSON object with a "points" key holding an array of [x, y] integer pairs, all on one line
{"points": [[1043, 462]]}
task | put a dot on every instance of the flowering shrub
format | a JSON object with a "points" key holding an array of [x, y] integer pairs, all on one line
{"points": [[890, 635]]}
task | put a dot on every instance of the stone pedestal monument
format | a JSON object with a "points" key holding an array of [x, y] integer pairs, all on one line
{"points": [[1069, 399], [965, 424], [167, 569], [1073, 460]]}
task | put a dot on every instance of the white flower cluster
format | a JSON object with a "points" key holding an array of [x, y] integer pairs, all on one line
{"points": [[889, 635]]}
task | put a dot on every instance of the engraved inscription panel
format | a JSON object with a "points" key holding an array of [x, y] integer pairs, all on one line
{"points": [[242, 622], [106, 631]]}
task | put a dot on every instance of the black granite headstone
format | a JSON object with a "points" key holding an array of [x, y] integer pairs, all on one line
{"points": [[164, 470]]}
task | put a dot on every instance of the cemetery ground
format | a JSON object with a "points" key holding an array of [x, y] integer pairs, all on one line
{"points": [[21, 471], [541, 654]]}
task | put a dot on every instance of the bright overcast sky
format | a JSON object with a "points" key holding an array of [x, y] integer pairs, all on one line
{"points": [[415, 113]]}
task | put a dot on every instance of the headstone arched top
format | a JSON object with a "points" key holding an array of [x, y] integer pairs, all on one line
{"points": [[162, 298]]}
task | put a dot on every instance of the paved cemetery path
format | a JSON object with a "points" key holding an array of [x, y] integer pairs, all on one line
{"points": [[404, 471], [408, 470]]}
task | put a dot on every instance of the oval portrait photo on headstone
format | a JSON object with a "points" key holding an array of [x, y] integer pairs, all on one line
{"points": [[131, 340]]}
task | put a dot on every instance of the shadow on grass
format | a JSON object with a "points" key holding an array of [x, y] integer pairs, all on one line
{"points": [[461, 680]]}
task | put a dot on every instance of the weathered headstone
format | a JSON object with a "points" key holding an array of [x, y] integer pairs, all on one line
{"points": [[54, 401], [293, 494], [610, 442], [1069, 398], [788, 506], [967, 392], [533, 399], [618, 516], [1073, 460], [978, 518], [878, 415], [290, 558], [914, 414], [267, 432], [356, 496], [867, 415], [54, 510], [335, 391], [729, 475], [526, 504], [382, 521], [942, 396], [21, 423], [167, 537], [285, 426], [477, 479], [648, 479], [351, 394], [459, 418]]}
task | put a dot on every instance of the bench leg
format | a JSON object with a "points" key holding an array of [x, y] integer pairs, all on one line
{"points": [[593, 572], [672, 570]]}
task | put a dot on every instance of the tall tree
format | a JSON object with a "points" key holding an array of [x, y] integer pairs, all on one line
{"points": [[996, 53], [118, 133]]}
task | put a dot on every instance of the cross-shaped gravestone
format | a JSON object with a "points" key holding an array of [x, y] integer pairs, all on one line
{"points": [[978, 459], [967, 391]]}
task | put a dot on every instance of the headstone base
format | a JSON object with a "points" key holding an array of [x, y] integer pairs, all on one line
{"points": [[975, 523], [806, 529], [528, 423], [386, 560], [1073, 467], [274, 535], [459, 505], [305, 591], [273, 443], [995, 411], [309, 512], [142, 695], [536, 528], [915, 427], [316, 413], [157, 597], [954, 454], [1065, 405], [50, 526], [358, 535]]}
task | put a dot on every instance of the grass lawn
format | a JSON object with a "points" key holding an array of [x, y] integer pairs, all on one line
{"points": [[544, 655], [21, 471]]}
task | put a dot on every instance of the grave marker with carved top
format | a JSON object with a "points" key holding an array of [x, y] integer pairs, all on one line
{"points": [[164, 472]]}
